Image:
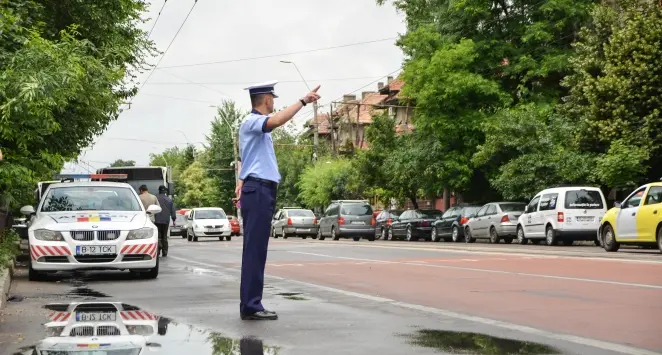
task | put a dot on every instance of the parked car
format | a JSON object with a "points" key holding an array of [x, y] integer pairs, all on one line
{"points": [[450, 226], [234, 225], [209, 222], [412, 225], [383, 222], [495, 221], [562, 214], [347, 219], [294, 221], [179, 226], [635, 221]]}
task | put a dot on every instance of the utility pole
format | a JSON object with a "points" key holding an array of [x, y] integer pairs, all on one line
{"points": [[333, 130], [316, 132]]}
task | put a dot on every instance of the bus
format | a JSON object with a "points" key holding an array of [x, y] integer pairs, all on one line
{"points": [[150, 176]]}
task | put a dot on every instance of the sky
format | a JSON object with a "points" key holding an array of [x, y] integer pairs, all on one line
{"points": [[175, 106]]}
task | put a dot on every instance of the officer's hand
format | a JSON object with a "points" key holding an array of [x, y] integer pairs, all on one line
{"points": [[237, 192], [312, 96]]}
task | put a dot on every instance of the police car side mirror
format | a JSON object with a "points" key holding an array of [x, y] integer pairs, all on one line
{"points": [[526, 209], [154, 209], [27, 211], [617, 204]]}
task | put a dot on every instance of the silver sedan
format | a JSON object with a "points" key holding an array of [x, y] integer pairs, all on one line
{"points": [[495, 221]]}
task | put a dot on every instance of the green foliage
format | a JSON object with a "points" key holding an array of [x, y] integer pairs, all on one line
{"points": [[9, 247], [292, 161], [121, 163], [328, 180], [199, 189]]}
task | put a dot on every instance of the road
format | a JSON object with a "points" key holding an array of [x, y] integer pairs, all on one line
{"points": [[382, 297]]}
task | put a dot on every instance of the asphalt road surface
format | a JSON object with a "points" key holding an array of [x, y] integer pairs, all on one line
{"points": [[382, 297]]}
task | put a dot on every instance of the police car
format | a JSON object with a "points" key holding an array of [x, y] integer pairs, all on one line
{"points": [[92, 225]]}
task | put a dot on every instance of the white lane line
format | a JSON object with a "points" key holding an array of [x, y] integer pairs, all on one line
{"points": [[579, 279], [620, 348]]}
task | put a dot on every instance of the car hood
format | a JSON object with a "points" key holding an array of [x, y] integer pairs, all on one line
{"points": [[211, 222], [63, 221]]}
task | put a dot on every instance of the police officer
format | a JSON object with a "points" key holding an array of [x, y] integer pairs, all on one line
{"points": [[256, 191]]}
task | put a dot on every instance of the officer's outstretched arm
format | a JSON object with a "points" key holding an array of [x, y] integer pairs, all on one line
{"points": [[282, 117]]}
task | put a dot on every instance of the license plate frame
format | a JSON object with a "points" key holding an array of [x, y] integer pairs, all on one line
{"points": [[96, 249], [213, 230], [360, 223], [303, 229], [96, 316], [585, 219]]}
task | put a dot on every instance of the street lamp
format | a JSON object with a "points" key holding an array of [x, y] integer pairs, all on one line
{"points": [[316, 132]]}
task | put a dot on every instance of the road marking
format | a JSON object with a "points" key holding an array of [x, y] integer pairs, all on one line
{"points": [[579, 279], [624, 349]]}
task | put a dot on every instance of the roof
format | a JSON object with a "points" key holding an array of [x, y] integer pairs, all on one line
{"points": [[366, 108], [323, 122]]}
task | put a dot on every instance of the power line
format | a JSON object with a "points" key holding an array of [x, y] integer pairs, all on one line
{"points": [[169, 45], [157, 19], [194, 83], [254, 81], [279, 55], [180, 98]]}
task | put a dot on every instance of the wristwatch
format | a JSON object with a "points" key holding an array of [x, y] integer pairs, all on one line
{"points": [[302, 102]]}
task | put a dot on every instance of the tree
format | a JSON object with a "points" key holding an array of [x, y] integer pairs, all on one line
{"points": [[120, 162], [292, 161], [616, 92], [66, 67], [198, 187], [328, 180]]}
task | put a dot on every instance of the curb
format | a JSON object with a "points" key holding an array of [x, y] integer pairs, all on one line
{"points": [[5, 283]]}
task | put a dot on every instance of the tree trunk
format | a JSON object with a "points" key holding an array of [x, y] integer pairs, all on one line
{"points": [[447, 198], [413, 201]]}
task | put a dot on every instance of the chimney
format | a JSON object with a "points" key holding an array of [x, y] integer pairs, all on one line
{"points": [[366, 93], [389, 79], [348, 98], [380, 86]]}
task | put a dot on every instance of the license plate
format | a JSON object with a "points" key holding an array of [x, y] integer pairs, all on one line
{"points": [[95, 249], [95, 316], [304, 229], [358, 222], [584, 219], [213, 230]]}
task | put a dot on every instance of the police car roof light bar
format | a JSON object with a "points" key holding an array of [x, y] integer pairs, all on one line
{"points": [[90, 176]]}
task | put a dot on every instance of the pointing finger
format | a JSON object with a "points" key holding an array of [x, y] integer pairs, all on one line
{"points": [[317, 88]]}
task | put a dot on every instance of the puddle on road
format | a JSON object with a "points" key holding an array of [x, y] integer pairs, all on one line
{"points": [[288, 294], [476, 344], [86, 292], [294, 296], [127, 329]]}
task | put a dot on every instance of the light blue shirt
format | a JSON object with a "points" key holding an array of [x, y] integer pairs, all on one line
{"points": [[258, 158]]}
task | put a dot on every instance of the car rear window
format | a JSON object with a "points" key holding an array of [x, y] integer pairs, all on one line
{"points": [[428, 213], [356, 209], [512, 207], [468, 211], [583, 199], [300, 213]]}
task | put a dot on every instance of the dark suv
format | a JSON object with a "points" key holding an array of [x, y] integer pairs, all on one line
{"points": [[347, 218]]}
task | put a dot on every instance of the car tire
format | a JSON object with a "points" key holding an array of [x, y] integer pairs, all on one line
{"points": [[508, 240], [34, 275], [189, 237], [410, 236], [494, 236], [195, 239], [383, 234], [221, 238], [455, 236], [609, 239], [356, 239], [550, 236], [659, 237], [389, 235], [273, 233], [433, 235], [304, 237], [282, 233], [521, 238], [334, 236], [183, 235], [319, 234], [371, 238], [228, 238], [467, 236]]}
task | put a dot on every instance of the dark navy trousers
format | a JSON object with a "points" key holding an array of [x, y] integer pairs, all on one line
{"points": [[258, 203]]}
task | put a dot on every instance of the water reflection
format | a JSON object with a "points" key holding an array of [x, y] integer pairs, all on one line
{"points": [[116, 328], [478, 344]]}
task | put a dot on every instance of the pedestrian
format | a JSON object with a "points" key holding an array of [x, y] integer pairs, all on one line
{"points": [[162, 219], [256, 191], [147, 199]]}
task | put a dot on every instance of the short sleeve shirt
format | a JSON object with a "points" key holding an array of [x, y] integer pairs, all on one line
{"points": [[258, 158]]}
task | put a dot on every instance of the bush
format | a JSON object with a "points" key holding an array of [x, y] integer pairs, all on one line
{"points": [[9, 247]]}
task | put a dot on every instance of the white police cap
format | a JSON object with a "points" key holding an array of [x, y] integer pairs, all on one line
{"points": [[263, 88]]}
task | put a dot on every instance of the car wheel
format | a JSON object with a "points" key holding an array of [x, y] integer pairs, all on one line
{"points": [[659, 237], [433, 235], [383, 234], [189, 237], [494, 236], [304, 237], [550, 236], [371, 238], [183, 235], [333, 234], [195, 239], [389, 234], [409, 234], [609, 239], [521, 239], [356, 239], [455, 236], [273, 233], [228, 238], [467, 236], [34, 275], [508, 240], [282, 232], [319, 234], [221, 238]]}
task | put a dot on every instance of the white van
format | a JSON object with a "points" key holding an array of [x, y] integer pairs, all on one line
{"points": [[562, 214]]}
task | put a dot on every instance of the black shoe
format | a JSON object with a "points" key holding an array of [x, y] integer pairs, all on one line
{"points": [[262, 315], [164, 254]]}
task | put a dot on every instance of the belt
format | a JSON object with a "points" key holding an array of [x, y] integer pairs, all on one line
{"points": [[265, 182]]}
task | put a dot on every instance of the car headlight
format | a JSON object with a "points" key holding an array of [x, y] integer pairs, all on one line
{"points": [[142, 233], [54, 331], [48, 235], [140, 329]]}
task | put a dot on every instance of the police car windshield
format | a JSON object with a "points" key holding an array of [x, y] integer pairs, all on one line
{"points": [[90, 198], [210, 214]]}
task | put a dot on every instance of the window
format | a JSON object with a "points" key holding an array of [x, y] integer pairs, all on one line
{"points": [[491, 210], [654, 195], [481, 212], [331, 210], [512, 207], [533, 205], [210, 214], [449, 213], [300, 213], [91, 198], [583, 199], [466, 211], [428, 214], [181, 219], [635, 199], [548, 202], [356, 209]]}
